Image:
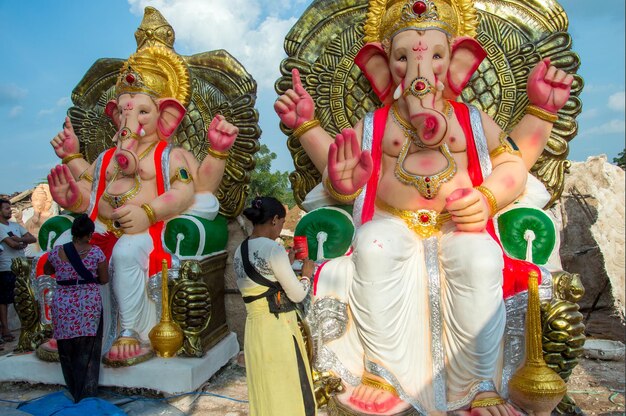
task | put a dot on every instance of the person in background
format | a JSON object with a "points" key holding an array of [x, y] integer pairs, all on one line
{"points": [[277, 366], [77, 308], [13, 240]]}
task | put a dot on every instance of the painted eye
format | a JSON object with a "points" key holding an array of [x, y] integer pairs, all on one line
{"points": [[437, 56], [402, 58]]}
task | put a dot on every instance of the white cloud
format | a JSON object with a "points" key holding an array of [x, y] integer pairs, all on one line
{"points": [[11, 93], [617, 101], [601, 88], [249, 30], [615, 126], [16, 111], [61, 104], [589, 114]]}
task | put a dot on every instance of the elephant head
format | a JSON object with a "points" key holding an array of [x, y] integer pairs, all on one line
{"points": [[152, 90], [417, 53]]}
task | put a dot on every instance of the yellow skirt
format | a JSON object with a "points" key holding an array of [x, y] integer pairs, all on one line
{"points": [[277, 367]]}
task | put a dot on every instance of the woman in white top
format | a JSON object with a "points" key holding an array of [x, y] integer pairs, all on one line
{"points": [[278, 370]]}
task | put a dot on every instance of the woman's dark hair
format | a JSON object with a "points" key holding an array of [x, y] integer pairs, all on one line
{"points": [[82, 226], [263, 209]]}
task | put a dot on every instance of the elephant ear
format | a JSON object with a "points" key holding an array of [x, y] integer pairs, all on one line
{"points": [[171, 114], [373, 62], [466, 56], [113, 112]]}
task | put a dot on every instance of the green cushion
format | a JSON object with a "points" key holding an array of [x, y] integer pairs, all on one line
{"points": [[198, 236], [52, 229], [513, 224], [336, 222]]}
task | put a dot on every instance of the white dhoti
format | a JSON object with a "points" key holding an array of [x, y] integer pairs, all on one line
{"points": [[426, 315], [130, 262]]}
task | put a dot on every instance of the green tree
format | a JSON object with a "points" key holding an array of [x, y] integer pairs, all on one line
{"points": [[264, 182], [620, 160]]}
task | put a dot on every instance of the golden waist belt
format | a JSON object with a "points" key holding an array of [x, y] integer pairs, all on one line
{"points": [[423, 222]]}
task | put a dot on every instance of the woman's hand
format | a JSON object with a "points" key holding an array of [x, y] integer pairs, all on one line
{"points": [[308, 266]]}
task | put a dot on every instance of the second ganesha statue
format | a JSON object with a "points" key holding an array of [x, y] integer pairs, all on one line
{"points": [[131, 189]]}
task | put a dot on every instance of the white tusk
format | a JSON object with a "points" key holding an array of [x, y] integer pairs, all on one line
{"points": [[142, 132], [398, 92]]}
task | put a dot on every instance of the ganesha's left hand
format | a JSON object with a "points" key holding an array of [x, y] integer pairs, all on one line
{"points": [[469, 209], [221, 134], [132, 219], [548, 86]]}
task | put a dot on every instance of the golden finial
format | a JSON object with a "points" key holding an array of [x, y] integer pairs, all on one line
{"points": [[385, 19], [535, 387], [166, 337], [154, 30]]}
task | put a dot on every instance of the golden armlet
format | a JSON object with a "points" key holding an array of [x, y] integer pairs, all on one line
{"points": [[340, 197], [181, 175], [493, 204], [150, 213], [539, 112], [217, 154], [306, 126], [73, 156], [506, 145]]}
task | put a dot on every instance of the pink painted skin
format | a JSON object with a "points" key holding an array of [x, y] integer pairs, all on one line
{"points": [[549, 87], [66, 142], [296, 105], [469, 209], [349, 168], [509, 182], [63, 187], [221, 134]]}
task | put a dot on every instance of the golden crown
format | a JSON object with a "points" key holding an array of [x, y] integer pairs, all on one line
{"points": [[155, 71], [387, 18]]}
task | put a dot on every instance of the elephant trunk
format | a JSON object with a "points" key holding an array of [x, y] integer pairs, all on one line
{"points": [[126, 152], [420, 97]]}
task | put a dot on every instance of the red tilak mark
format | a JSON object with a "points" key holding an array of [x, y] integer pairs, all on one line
{"points": [[420, 47]]}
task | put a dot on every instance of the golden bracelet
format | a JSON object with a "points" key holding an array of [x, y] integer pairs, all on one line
{"points": [[150, 213], [217, 154], [73, 156], [493, 204], [86, 176], [340, 197], [539, 112], [76, 204], [380, 385], [304, 127], [487, 402]]}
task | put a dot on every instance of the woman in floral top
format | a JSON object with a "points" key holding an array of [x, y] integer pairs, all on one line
{"points": [[77, 309]]}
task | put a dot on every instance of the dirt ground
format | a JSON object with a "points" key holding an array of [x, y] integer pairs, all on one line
{"points": [[596, 386]]}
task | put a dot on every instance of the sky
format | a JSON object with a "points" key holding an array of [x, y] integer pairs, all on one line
{"points": [[47, 46]]}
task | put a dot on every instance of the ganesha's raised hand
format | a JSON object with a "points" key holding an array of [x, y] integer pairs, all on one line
{"points": [[295, 106], [63, 187], [221, 134], [469, 209], [65, 143], [349, 168], [549, 87]]}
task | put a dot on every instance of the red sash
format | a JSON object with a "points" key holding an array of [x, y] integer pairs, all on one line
{"points": [[107, 241]]}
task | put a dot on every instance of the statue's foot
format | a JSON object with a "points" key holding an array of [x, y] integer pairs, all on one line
{"points": [[374, 395], [490, 403], [127, 351]]}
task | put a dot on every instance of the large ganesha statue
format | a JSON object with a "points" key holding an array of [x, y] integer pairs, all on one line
{"points": [[415, 317], [156, 188]]}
